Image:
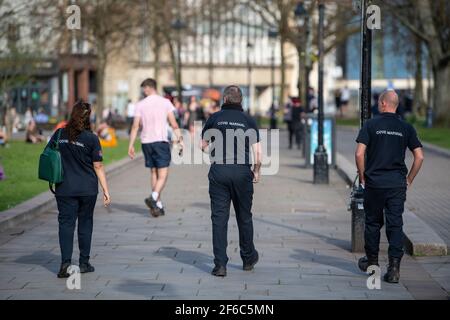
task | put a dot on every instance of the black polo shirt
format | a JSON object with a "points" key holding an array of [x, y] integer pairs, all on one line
{"points": [[78, 159], [387, 137], [231, 132]]}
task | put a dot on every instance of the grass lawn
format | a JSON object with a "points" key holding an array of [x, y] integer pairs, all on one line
{"points": [[438, 136], [20, 162], [348, 122]]}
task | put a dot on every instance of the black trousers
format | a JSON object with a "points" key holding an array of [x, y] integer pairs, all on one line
{"points": [[295, 130], [231, 183], [130, 123], [392, 203], [71, 208]]}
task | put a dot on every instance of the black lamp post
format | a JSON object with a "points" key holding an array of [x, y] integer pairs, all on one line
{"points": [[302, 21], [179, 25], [249, 75], [366, 66], [320, 155], [273, 34]]}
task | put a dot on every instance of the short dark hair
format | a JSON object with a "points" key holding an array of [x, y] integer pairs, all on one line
{"points": [[149, 83], [232, 94]]}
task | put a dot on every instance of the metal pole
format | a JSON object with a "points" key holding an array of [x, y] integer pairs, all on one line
{"points": [[307, 64], [180, 86], [273, 124], [320, 155], [320, 86], [366, 65], [249, 77], [357, 196]]}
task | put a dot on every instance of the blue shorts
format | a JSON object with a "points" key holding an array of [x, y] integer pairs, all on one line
{"points": [[157, 154]]}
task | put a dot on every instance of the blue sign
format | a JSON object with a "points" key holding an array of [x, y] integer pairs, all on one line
{"points": [[327, 138]]}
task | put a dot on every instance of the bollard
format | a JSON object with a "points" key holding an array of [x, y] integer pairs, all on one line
{"points": [[358, 217]]}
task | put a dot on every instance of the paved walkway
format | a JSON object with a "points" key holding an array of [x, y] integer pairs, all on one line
{"points": [[302, 232]]}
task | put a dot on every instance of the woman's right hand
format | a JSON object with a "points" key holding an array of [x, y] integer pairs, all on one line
{"points": [[106, 199]]}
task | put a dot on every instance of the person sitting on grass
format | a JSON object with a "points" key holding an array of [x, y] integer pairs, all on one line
{"points": [[3, 137], [33, 135], [107, 135]]}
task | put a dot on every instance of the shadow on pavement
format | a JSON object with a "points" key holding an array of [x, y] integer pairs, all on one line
{"points": [[201, 205], [196, 259], [42, 258], [131, 208], [321, 259], [343, 264], [341, 244], [142, 288]]}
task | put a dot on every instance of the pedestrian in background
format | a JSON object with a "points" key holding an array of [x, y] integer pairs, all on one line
{"points": [[33, 134], [130, 115], [298, 114], [76, 196], [231, 177], [380, 159], [152, 113], [287, 118], [337, 102], [345, 99], [194, 113]]}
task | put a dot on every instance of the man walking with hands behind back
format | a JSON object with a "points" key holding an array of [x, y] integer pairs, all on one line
{"points": [[153, 112], [380, 159]]}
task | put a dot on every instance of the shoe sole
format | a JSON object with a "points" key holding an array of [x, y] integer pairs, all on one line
{"points": [[153, 213], [219, 275], [87, 271], [151, 204], [388, 281]]}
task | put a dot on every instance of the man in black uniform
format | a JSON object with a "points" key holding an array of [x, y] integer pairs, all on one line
{"points": [[380, 158], [229, 135]]}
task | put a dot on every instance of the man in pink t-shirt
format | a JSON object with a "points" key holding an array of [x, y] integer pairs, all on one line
{"points": [[152, 113]]}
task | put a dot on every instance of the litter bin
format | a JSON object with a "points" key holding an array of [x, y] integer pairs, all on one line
{"points": [[358, 217]]}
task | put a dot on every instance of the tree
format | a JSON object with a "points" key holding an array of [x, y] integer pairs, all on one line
{"points": [[432, 27], [17, 58], [280, 14], [108, 26]]}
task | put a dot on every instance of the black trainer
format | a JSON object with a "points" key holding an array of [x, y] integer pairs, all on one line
{"points": [[150, 202], [161, 211], [366, 261], [86, 267], [63, 270], [393, 271], [154, 211], [250, 265], [219, 271]]}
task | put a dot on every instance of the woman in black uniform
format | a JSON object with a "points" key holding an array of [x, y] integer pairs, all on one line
{"points": [[76, 196]]}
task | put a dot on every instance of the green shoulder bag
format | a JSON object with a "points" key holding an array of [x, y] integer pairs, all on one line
{"points": [[50, 164]]}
